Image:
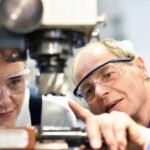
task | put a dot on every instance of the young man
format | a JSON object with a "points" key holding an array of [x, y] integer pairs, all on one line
{"points": [[114, 82], [14, 99], [15, 95]]}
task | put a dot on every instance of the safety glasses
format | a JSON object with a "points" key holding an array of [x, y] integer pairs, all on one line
{"points": [[14, 84], [86, 92]]}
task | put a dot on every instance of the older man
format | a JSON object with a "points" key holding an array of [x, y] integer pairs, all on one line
{"points": [[114, 82]]}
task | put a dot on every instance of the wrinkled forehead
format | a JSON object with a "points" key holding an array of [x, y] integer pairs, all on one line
{"points": [[90, 58]]}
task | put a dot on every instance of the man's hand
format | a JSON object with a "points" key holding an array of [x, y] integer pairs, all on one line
{"points": [[116, 129]]}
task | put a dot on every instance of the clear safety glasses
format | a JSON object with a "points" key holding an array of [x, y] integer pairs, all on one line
{"points": [[105, 74], [14, 84]]}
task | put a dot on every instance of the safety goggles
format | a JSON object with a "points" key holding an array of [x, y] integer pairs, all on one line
{"points": [[105, 74], [14, 84]]}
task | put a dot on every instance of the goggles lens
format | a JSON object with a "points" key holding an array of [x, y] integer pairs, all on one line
{"points": [[105, 74], [16, 83]]}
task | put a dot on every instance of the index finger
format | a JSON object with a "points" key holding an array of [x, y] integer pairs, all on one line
{"points": [[81, 112], [94, 135]]}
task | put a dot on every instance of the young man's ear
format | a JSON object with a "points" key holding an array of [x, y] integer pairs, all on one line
{"points": [[139, 62]]}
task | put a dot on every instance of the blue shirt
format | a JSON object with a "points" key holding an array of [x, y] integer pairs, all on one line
{"points": [[148, 146]]}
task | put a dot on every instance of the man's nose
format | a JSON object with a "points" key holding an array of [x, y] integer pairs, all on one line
{"points": [[4, 96], [101, 90]]}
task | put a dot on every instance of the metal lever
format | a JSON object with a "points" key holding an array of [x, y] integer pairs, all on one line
{"points": [[72, 136]]}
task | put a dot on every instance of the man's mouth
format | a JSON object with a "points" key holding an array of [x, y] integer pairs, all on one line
{"points": [[112, 106], [6, 114]]}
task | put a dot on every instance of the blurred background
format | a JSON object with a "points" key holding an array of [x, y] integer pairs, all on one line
{"points": [[128, 19]]}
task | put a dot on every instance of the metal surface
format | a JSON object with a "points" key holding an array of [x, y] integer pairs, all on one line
{"points": [[21, 16], [51, 51], [54, 83], [44, 138], [74, 137]]}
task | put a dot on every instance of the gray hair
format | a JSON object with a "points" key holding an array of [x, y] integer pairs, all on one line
{"points": [[118, 48]]}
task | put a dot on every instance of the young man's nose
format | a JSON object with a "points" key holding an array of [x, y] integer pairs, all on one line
{"points": [[4, 96]]}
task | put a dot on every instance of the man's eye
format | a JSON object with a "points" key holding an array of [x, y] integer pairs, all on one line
{"points": [[88, 92], [15, 83], [109, 75]]}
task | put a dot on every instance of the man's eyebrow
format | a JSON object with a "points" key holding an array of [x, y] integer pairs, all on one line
{"points": [[17, 76], [106, 67], [102, 69]]}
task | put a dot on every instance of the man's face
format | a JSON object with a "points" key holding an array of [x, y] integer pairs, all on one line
{"points": [[125, 93], [12, 91]]}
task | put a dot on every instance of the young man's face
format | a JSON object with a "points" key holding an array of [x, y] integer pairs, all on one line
{"points": [[12, 91], [118, 86]]}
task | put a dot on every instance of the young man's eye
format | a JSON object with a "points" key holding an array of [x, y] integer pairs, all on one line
{"points": [[15, 82]]}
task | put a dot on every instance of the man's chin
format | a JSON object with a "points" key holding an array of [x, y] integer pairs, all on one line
{"points": [[7, 124]]}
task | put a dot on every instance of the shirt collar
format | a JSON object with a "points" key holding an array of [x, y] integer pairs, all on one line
{"points": [[24, 118]]}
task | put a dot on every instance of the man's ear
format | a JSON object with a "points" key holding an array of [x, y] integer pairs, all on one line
{"points": [[139, 62]]}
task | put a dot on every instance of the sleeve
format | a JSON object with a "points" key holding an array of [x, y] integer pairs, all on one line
{"points": [[148, 146], [56, 112]]}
